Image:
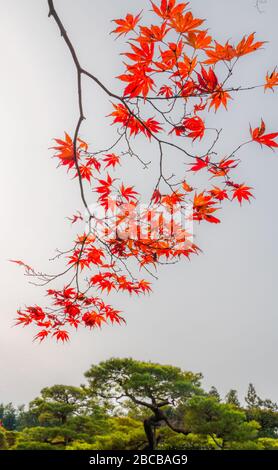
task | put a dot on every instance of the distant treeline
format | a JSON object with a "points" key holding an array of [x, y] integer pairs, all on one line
{"points": [[132, 405]]}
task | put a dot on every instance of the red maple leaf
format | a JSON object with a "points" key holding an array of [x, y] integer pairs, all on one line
{"points": [[168, 9], [21, 263], [218, 98], [153, 34], [258, 135], [241, 192], [42, 335], [196, 126], [111, 160], [65, 150], [93, 319], [219, 194], [199, 40], [156, 197], [208, 81], [204, 208], [75, 217], [126, 25], [247, 45], [151, 126], [61, 335], [200, 164], [85, 172], [139, 81], [166, 91], [223, 167], [128, 192], [226, 52], [185, 23]]}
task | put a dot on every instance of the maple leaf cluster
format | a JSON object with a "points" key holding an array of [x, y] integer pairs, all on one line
{"points": [[171, 79], [71, 309], [104, 245], [180, 62]]}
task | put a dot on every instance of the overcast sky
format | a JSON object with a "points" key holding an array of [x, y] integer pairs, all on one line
{"points": [[216, 314]]}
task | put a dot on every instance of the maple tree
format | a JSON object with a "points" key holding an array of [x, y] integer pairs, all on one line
{"points": [[171, 81]]}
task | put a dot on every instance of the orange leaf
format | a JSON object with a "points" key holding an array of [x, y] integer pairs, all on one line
{"points": [[204, 208], [187, 188], [199, 40], [166, 91], [185, 23], [247, 45], [153, 34], [219, 194], [126, 25], [168, 9], [218, 98], [271, 80], [220, 52], [258, 135]]}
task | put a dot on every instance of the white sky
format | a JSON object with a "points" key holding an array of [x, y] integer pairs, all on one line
{"points": [[216, 314]]}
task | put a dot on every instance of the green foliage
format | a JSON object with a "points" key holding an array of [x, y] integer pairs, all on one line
{"points": [[89, 425], [25, 418], [141, 381], [268, 443], [252, 399], [126, 400], [3, 440], [232, 398], [33, 445], [56, 437], [11, 438], [214, 393], [267, 419], [125, 434], [56, 404], [224, 423], [172, 441], [79, 445], [8, 416]]}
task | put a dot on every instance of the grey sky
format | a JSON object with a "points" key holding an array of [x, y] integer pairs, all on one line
{"points": [[216, 314]]}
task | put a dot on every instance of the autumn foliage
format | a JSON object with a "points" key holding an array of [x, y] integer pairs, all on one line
{"points": [[171, 81]]}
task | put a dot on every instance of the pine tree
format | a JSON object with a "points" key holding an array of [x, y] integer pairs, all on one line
{"points": [[232, 398], [214, 393], [252, 399]]}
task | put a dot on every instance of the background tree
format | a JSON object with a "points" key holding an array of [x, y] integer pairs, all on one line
{"points": [[8, 416], [252, 399], [56, 404], [133, 405], [232, 398], [213, 392], [221, 421], [26, 418], [64, 414], [150, 386], [264, 411]]}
